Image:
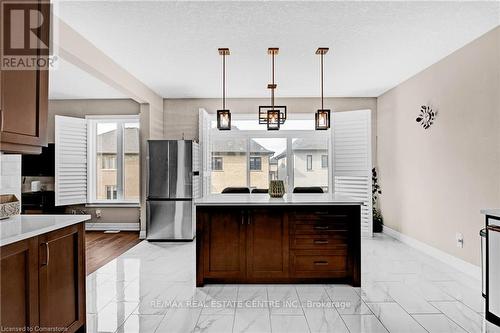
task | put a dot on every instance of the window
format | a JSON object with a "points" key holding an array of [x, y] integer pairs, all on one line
{"points": [[255, 163], [113, 155], [324, 161], [111, 193], [217, 164], [309, 162], [108, 161]]}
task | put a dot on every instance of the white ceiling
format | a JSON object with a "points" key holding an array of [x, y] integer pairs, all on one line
{"points": [[172, 46]]}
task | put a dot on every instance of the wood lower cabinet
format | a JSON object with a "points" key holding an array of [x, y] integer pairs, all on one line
{"points": [[19, 285], [223, 243], [275, 244], [267, 245], [62, 278], [43, 281]]}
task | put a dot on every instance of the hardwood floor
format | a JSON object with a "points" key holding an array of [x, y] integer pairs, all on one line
{"points": [[101, 248]]}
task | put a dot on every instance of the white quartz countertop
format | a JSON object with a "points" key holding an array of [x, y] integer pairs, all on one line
{"points": [[258, 199], [21, 227], [491, 212]]}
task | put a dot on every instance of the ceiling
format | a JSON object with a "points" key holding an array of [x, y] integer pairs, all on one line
{"points": [[172, 46]]}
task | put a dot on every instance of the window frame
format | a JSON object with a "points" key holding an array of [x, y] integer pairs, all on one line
{"points": [[256, 158], [324, 161], [92, 122], [221, 158], [309, 162]]}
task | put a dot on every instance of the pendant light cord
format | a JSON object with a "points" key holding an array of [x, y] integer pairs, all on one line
{"points": [[322, 107], [272, 89], [224, 81]]}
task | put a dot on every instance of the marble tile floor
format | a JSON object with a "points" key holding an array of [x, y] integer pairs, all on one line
{"points": [[150, 288]]}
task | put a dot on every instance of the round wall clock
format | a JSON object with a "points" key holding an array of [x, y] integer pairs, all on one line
{"points": [[426, 116]]}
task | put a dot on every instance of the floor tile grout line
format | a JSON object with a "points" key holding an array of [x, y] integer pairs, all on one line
{"points": [[457, 301], [237, 299], [443, 314], [303, 312], [331, 300]]}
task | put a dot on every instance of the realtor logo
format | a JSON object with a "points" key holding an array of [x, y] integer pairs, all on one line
{"points": [[25, 35]]}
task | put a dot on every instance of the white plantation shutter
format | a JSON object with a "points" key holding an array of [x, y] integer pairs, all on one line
{"points": [[70, 160], [352, 160]]}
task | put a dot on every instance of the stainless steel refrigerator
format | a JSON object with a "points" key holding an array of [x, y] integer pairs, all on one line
{"points": [[173, 183]]}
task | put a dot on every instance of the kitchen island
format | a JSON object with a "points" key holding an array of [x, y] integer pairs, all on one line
{"points": [[300, 238], [42, 282]]}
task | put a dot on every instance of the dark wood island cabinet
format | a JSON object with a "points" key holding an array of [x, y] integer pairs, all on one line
{"points": [[292, 240]]}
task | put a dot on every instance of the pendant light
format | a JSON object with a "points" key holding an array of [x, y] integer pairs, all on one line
{"points": [[224, 115], [273, 116], [322, 116]]}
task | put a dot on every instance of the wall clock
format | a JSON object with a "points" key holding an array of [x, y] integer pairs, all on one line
{"points": [[426, 116]]}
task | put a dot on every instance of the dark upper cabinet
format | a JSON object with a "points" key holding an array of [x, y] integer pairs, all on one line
{"points": [[24, 105]]}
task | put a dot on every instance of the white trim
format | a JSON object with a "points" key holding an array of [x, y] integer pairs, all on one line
{"points": [[142, 234], [96, 226], [457, 263]]}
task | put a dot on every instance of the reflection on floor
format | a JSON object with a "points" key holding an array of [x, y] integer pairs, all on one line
{"points": [[101, 248], [150, 288]]}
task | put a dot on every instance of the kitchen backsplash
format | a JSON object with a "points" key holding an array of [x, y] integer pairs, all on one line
{"points": [[10, 174]]}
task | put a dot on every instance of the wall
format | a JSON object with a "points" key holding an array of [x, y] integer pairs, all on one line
{"points": [[80, 108], [435, 181], [10, 175], [181, 115]]}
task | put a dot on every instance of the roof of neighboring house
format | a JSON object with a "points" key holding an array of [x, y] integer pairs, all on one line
{"points": [[308, 144], [106, 142], [238, 145]]}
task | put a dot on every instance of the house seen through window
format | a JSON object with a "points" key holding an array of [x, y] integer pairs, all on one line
{"points": [[309, 162]]}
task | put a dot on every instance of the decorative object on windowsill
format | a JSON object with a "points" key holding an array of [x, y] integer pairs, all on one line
{"points": [[378, 220], [322, 116], [426, 117], [224, 115], [276, 188], [9, 206], [272, 115]]}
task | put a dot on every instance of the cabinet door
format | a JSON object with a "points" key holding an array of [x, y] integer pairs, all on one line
{"points": [[62, 278], [24, 104], [267, 245], [19, 285], [224, 244]]}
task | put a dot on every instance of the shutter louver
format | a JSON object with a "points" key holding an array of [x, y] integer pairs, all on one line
{"points": [[353, 161], [70, 161]]}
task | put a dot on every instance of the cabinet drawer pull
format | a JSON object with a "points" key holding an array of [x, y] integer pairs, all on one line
{"points": [[320, 241], [493, 228], [319, 227], [321, 263], [47, 254], [321, 213]]}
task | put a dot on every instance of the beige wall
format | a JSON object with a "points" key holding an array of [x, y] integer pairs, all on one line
{"points": [[80, 108], [317, 176], [435, 181]]}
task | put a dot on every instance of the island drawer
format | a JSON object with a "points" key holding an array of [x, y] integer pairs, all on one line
{"points": [[319, 242], [305, 263], [318, 228]]}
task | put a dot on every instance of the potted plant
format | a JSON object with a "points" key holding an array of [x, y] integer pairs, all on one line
{"points": [[378, 220]]}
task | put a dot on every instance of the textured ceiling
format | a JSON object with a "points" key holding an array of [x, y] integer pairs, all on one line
{"points": [[172, 46]]}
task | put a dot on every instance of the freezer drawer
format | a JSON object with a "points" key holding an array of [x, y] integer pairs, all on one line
{"points": [[169, 220]]}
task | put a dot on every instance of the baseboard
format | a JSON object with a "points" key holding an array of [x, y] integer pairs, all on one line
{"points": [[91, 226], [457, 263]]}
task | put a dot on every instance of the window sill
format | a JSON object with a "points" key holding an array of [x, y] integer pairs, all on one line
{"points": [[113, 204]]}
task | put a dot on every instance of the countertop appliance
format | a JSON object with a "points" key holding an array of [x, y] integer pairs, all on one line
{"points": [[173, 183]]}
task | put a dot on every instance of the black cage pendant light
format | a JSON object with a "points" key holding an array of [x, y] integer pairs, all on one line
{"points": [[273, 116], [224, 115], [322, 116]]}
